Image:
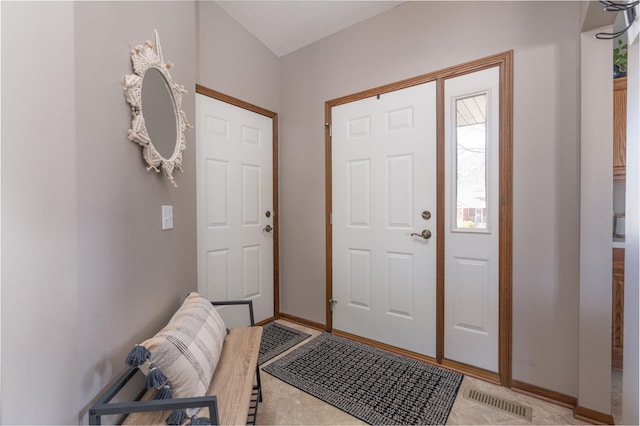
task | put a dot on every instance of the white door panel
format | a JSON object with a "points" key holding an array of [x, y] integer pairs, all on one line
{"points": [[384, 177], [234, 153], [471, 219]]}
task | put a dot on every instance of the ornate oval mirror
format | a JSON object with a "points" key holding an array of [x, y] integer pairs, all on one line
{"points": [[158, 122]]}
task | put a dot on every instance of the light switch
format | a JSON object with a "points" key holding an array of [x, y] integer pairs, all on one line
{"points": [[167, 217]]}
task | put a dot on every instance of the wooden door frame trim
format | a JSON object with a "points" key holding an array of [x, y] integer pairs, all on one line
{"points": [[440, 207], [276, 228], [504, 61]]}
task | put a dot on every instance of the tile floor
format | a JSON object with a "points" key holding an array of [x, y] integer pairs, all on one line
{"points": [[286, 405]]}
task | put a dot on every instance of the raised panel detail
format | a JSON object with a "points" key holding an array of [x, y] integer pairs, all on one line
{"points": [[400, 119], [400, 284], [359, 193], [250, 135], [217, 193], [218, 127], [359, 278], [250, 271], [359, 127], [470, 280], [218, 274], [250, 195], [399, 191]]}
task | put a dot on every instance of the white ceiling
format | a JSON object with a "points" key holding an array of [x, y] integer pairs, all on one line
{"points": [[286, 26]]}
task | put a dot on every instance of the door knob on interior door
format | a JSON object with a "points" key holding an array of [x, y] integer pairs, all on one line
{"points": [[267, 228], [424, 234]]}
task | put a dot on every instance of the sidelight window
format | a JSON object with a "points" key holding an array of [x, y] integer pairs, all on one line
{"points": [[471, 162]]}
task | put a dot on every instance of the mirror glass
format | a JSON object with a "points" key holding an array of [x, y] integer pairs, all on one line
{"points": [[159, 113]]}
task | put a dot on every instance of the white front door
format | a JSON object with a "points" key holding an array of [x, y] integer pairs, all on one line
{"points": [[471, 218], [384, 178], [234, 153]]}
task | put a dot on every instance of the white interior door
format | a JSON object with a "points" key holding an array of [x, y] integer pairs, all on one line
{"points": [[384, 178], [234, 151], [471, 218]]}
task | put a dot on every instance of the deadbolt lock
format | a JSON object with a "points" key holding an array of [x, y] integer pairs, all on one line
{"points": [[268, 213], [426, 215]]}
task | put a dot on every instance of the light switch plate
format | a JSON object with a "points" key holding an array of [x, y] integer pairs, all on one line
{"points": [[167, 217]]}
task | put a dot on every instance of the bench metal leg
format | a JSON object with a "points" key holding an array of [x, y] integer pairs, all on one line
{"points": [[214, 417], [94, 419], [259, 385], [256, 399]]}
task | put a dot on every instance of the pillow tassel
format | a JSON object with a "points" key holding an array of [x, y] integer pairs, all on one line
{"points": [[138, 356], [176, 417], [164, 392], [155, 378], [197, 421]]}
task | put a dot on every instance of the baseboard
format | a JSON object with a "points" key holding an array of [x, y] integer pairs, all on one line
{"points": [[468, 370], [592, 416], [580, 413], [302, 321], [263, 322], [544, 394]]}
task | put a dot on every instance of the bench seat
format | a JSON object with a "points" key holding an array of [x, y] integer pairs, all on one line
{"points": [[232, 382]]}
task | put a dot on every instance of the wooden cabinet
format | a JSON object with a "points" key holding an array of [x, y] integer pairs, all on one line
{"points": [[617, 308], [619, 128]]}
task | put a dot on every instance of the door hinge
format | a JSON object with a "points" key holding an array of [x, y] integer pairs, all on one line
{"points": [[332, 303], [330, 218], [328, 125]]}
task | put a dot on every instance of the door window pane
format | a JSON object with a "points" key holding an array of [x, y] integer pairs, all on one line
{"points": [[471, 162]]}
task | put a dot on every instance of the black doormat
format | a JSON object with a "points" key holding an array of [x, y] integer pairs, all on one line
{"points": [[374, 385], [277, 338]]}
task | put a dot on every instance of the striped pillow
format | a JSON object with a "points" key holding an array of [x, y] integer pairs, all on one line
{"points": [[188, 348]]}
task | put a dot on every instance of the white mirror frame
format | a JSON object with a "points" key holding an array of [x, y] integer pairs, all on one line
{"points": [[144, 57]]}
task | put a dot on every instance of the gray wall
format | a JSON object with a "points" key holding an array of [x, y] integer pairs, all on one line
{"points": [[631, 366], [596, 200], [416, 38], [131, 274], [86, 269], [233, 61], [39, 217]]}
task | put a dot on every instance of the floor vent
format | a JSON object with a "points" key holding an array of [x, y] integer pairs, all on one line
{"points": [[500, 403]]}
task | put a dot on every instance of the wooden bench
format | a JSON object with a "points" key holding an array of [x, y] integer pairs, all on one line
{"points": [[232, 398]]}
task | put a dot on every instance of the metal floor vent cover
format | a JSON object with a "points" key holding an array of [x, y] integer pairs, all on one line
{"points": [[500, 403]]}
